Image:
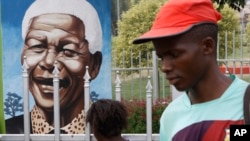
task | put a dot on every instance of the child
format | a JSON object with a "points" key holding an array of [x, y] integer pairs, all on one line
{"points": [[107, 119]]}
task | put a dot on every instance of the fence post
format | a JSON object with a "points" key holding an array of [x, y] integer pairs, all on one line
{"points": [[149, 110], [155, 77], [56, 102], [26, 121], [86, 101], [118, 87]]}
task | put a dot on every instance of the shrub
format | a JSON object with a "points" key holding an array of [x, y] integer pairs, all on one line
{"points": [[137, 115]]}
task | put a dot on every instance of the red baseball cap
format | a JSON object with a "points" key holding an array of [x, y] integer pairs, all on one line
{"points": [[178, 16]]}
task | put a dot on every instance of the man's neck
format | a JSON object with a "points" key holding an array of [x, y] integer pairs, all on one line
{"points": [[210, 89]]}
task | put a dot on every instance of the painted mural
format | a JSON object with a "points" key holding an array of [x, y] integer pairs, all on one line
{"points": [[38, 33]]}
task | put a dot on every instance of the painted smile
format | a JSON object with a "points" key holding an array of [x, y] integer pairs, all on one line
{"points": [[46, 84]]}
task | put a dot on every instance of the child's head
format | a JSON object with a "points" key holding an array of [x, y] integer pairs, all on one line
{"points": [[107, 118]]}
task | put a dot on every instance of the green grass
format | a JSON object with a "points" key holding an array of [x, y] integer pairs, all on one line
{"points": [[133, 86]]}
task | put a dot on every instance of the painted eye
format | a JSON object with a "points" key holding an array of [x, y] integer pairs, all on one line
{"points": [[38, 48], [70, 50], [70, 53], [36, 45]]}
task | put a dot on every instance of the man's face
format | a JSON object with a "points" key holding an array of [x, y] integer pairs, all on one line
{"points": [[50, 38], [182, 61]]}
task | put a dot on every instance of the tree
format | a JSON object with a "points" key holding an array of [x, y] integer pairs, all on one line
{"points": [[229, 35], [13, 104], [139, 18], [124, 5], [118, 6], [247, 33], [234, 4], [134, 22]]}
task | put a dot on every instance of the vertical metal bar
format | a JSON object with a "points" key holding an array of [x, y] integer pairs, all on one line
{"points": [[132, 76], [124, 71], [225, 58], [26, 100], [56, 102], [155, 77], [86, 101], [241, 67], [234, 66], [118, 10], [132, 85], [149, 110], [226, 46], [241, 52], [123, 59], [163, 87], [140, 79], [131, 59], [234, 52], [148, 62], [115, 58], [117, 87], [241, 45]]}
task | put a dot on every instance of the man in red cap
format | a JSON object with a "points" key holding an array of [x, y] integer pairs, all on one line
{"points": [[184, 35]]}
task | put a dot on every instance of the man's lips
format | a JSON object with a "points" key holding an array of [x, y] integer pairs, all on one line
{"points": [[172, 80]]}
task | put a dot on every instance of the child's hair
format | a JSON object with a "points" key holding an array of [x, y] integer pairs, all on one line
{"points": [[107, 117]]}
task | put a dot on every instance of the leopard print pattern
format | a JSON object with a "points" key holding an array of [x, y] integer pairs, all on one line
{"points": [[40, 126]]}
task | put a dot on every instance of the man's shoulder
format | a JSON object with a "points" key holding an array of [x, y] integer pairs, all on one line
{"points": [[14, 120], [239, 85], [239, 81], [177, 104], [14, 125]]}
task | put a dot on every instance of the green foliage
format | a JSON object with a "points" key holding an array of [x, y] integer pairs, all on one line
{"points": [[116, 12], [137, 115], [234, 4], [247, 33], [139, 18], [134, 22], [228, 31]]}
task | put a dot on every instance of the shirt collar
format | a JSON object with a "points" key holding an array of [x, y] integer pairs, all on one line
{"points": [[41, 126]]}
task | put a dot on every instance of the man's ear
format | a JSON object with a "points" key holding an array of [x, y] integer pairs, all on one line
{"points": [[96, 61], [209, 46]]}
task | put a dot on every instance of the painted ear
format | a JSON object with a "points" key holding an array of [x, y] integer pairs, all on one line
{"points": [[95, 64], [209, 45]]}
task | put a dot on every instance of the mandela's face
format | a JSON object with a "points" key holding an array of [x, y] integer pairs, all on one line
{"points": [[50, 38]]}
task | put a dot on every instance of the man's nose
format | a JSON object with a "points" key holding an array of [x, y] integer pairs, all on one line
{"points": [[49, 59], [167, 65]]}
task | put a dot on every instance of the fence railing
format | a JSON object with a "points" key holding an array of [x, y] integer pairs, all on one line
{"points": [[127, 83], [68, 137], [132, 80], [57, 136], [238, 66]]}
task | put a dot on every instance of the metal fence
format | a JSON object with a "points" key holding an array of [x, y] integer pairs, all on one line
{"points": [[135, 84], [57, 136], [236, 60]]}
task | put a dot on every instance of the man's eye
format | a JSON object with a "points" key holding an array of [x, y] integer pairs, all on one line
{"points": [[70, 53], [174, 53]]}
